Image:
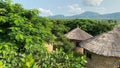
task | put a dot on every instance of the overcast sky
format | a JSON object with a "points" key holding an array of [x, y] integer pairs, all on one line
{"points": [[71, 7]]}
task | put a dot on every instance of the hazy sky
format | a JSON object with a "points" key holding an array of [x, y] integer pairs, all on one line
{"points": [[71, 7]]}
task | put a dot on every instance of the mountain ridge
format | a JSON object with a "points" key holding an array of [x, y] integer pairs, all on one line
{"points": [[89, 15]]}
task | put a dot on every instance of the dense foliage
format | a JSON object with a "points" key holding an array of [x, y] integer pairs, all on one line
{"points": [[93, 27], [23, 34]]}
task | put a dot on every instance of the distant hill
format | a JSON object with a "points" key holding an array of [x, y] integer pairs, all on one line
{"points": [[89, 15]]}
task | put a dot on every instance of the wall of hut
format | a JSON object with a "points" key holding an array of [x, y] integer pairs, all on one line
{"points": [[79, 50], [49, 47], [97, 61]]}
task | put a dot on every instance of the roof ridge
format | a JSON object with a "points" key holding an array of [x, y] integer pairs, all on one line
{"points": [[78, 34]]}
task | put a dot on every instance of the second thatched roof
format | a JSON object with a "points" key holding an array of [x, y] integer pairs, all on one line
{"points": [[107, 44], [78, 34]]}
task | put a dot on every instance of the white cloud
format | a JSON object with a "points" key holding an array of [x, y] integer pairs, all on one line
{"points": [[75, 9], [102, 10], [93, 2], [45, 12]]}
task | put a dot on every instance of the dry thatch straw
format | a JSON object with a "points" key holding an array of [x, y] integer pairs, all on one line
{"points": [[106, 44], [78, 34]]}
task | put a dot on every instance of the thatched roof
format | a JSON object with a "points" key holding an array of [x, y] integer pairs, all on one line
{"points": [[106, 44], [77, 34]]}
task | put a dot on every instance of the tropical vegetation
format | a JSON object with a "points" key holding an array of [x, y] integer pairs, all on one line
{"points": [[23, 34]]}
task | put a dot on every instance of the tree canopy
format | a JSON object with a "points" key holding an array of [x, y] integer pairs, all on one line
{"points": [[23, 34]]}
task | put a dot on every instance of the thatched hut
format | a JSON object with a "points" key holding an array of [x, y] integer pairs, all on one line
{"points": [[103, 51], [77, 35]]}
